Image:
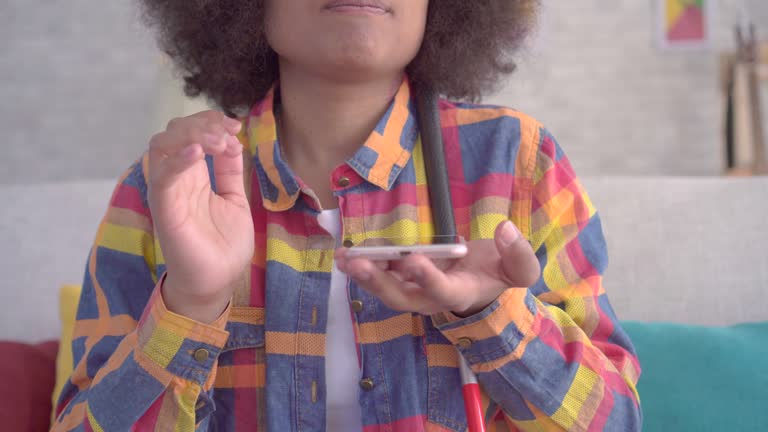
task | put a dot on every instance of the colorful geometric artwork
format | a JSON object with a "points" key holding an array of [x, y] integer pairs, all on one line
{"points": [[684, 23], [685, 20]]}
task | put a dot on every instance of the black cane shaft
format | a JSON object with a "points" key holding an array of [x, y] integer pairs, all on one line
{"points": [[436, 169]]}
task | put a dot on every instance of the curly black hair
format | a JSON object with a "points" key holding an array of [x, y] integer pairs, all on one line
{"points": [[467, 46]]}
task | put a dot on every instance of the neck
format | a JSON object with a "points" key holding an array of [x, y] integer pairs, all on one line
{"points": [[322, 123]]}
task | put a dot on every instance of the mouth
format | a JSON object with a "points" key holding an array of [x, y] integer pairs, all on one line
{"points": [[358, 7]]}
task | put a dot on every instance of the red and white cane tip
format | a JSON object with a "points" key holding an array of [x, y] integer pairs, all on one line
{"points": [[472, 403]]}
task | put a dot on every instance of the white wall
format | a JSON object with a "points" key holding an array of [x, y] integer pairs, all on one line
{"points": [[78, 85], [617, 103]]}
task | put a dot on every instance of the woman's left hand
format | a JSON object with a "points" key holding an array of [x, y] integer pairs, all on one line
{"points": [[464, 286]]}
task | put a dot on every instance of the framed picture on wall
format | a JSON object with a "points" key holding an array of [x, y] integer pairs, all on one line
{"points": [[684, 24]]}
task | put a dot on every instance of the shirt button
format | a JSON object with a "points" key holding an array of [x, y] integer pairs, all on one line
{"points": [[348, 243], [357, 306], [366, 384], [464, 343], [201, 355], [343, 182]]}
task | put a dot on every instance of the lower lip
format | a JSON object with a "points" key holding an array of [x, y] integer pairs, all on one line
{"points": [[357, 10]]}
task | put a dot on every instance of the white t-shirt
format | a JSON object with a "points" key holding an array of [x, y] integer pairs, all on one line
{"points": [[342, 371]]}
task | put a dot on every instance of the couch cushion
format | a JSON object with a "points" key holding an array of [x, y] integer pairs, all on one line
{"points": [[69, 297], [46, 232], [27, 375], [702, 378]]}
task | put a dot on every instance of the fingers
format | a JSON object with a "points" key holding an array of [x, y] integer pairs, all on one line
{"points": [[431, 279], [380, 283], [185, 142], [414, 284], [519, 264], [175, 165], [340, 258], [228, 169], [209, 129], [163, 170], [232, 126]]}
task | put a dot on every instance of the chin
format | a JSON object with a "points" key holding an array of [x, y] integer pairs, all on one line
{"points": [[354, 71], [356, 61]]}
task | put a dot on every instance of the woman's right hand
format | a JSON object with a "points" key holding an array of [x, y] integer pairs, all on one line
{"points": [[206, 237]]}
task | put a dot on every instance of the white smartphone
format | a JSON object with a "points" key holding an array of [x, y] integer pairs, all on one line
{"points": [[391, 253]]}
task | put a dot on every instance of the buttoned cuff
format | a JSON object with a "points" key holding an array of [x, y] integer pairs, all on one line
{"points": [[498, 332], [173, 345]]}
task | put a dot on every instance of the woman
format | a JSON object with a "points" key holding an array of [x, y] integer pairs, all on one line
{"points": [[253, 318]]}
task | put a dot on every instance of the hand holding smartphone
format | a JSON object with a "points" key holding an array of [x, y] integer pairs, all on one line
{"points": [[397, 249]]}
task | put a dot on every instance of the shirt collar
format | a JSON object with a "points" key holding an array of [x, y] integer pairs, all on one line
{"points": [[379, 161]]}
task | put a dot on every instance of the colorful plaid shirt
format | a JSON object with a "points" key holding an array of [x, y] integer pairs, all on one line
{"points": [[548, 357]]}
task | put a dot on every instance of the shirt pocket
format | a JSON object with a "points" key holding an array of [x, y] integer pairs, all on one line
{"points": [[445, 402], [245, 327], [240, 375]]}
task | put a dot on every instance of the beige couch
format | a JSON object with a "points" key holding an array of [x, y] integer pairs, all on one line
{"points": [[689, 250]]}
